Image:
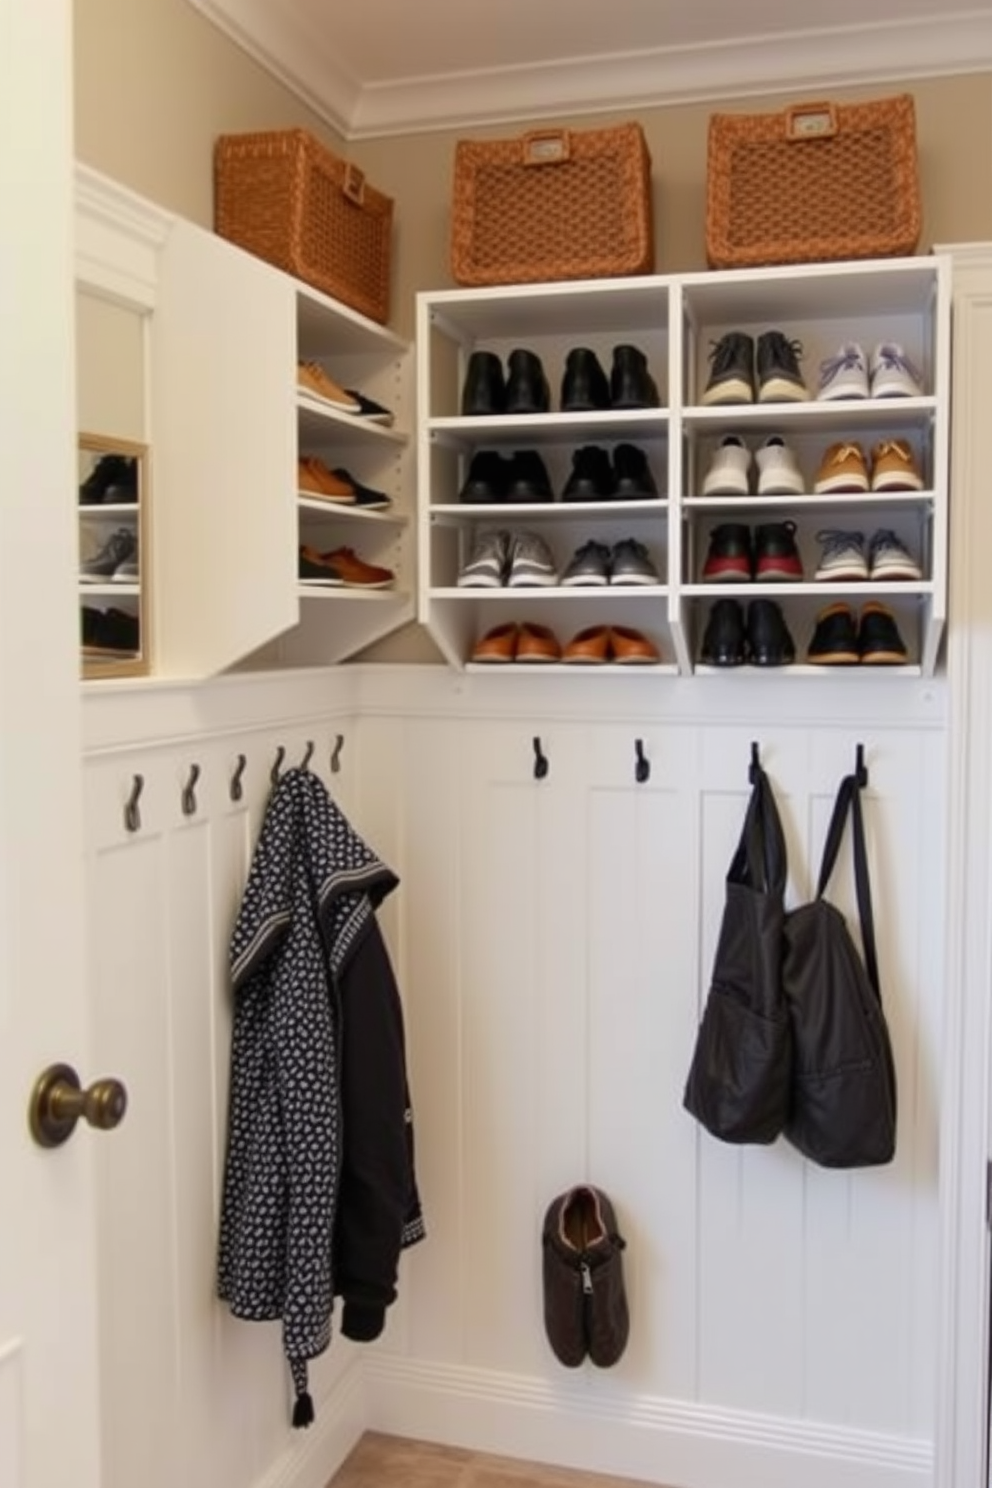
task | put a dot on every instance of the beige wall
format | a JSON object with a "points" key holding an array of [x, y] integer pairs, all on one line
{"points": [[156, 83]]}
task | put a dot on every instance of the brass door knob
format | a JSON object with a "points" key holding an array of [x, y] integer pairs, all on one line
{"points": [[58, 1101]]}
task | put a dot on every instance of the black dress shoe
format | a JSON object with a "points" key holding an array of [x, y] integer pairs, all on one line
{"points": [[585, 386], [527, 389], [723, 638], [527, 478], [592, 476], [634, 481], [486, 481], [835, 637], [631, 384], [768, 640], [113, 478], [879, 641], [484, 392]]}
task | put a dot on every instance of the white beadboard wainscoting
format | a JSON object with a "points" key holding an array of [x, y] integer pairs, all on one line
{"points": [[553, 940]]}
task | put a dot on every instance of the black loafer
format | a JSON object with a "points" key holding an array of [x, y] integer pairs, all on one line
{"points": [[527, 389], [631, 384], [768, 640], [584, 387], [486, 481], [879, 641], [592, 476], [633, 478], [527, 478], [835, 637], [723, 639], [484, 392]]}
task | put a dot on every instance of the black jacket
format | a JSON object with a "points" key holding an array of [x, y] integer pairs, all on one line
{"points": [[319, 1186]]}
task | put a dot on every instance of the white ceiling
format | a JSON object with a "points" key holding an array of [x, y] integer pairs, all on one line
{"points": [[382, 67]]}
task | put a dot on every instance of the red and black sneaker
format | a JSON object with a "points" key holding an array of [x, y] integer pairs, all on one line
{"points": [[776, 557], [729, 558]]}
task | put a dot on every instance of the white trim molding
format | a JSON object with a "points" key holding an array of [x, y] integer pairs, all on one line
{"points": [[813, 59], [314, 1456], [118, 239], [656, 1440]]}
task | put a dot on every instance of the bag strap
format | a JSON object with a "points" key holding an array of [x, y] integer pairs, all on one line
{"points": [[760, 860], [849, 799]]}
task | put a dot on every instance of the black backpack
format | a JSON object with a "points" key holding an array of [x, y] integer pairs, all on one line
{"points": [[843, 1107]]}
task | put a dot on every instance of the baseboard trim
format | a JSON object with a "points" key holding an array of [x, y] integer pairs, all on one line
{"points": [[660, 1441], [314, 1455]]}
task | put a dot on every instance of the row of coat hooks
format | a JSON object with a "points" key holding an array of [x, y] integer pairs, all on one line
{"points": [[132, 811], [860, 768], [642, 765]]}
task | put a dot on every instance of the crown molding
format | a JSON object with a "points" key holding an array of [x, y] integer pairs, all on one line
{"points": [[814, 60]]}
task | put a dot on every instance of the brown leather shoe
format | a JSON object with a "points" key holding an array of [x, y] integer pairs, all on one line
{"points": [[498, 644], [311, 378], [315, 479], [631, 648], [356, 572], [590, 645], [537, 643], [585, 1301]]}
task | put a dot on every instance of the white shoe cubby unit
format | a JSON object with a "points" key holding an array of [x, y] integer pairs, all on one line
{"points": [[675, 319], [230, 423]]}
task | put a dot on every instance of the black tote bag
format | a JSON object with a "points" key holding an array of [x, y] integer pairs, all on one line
{"points": [[739, 1080], [843, 1111]]}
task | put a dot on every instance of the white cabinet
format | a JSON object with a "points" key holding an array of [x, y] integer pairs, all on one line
{"points": [[229, 425], [675, 320]]}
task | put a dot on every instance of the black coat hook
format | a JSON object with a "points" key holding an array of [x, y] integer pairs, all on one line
{"points": [[755, 765], [308, 756], [860, 768], [277, 766], [642, 769], [540, 762], [236, 788], [132, 816], [189, 791], [336, 753]]}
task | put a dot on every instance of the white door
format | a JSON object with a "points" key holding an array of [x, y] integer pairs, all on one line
{"points": [[48, 1350]]}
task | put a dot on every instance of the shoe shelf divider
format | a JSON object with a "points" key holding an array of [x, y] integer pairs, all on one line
{"points": [[675, 319]]}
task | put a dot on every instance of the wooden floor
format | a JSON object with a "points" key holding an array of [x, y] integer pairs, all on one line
{"points": [[383, 1461]]}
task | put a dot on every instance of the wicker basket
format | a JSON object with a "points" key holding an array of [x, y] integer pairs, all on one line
{"points": [[819, 181], [288, 199], [552, 204]]}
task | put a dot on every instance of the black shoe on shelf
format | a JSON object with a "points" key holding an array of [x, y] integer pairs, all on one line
{"points": [[879, 641], [779, 377], [729, 559], [631, 384], [109, 631], [527, 478], [527, 389], [776, 556], [113, 478], [634, 481], [768, 640], [723, 638], [584, 386], [592, 477], [731, 378], [365, 496], [835, 637], [485, 483], [369, 409], [484, 392]]}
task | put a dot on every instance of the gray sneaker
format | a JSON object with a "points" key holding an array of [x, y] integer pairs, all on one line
{"points": [[531, 563], [486, 566], [630, 564], [589, 564], [121, 547]]}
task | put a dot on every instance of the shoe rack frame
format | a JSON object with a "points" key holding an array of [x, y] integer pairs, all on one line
{"points": [[675, 318]]}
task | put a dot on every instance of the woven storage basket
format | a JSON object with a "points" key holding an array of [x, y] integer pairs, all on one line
{"points": [[286, 198], [552, 204], [819, 181]]}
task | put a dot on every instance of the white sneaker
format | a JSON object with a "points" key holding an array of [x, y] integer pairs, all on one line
{"points": [[487, 562], [893, 374], [844, 375], [531, 563], [778, 469], [889, 558], [728, 472]]}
